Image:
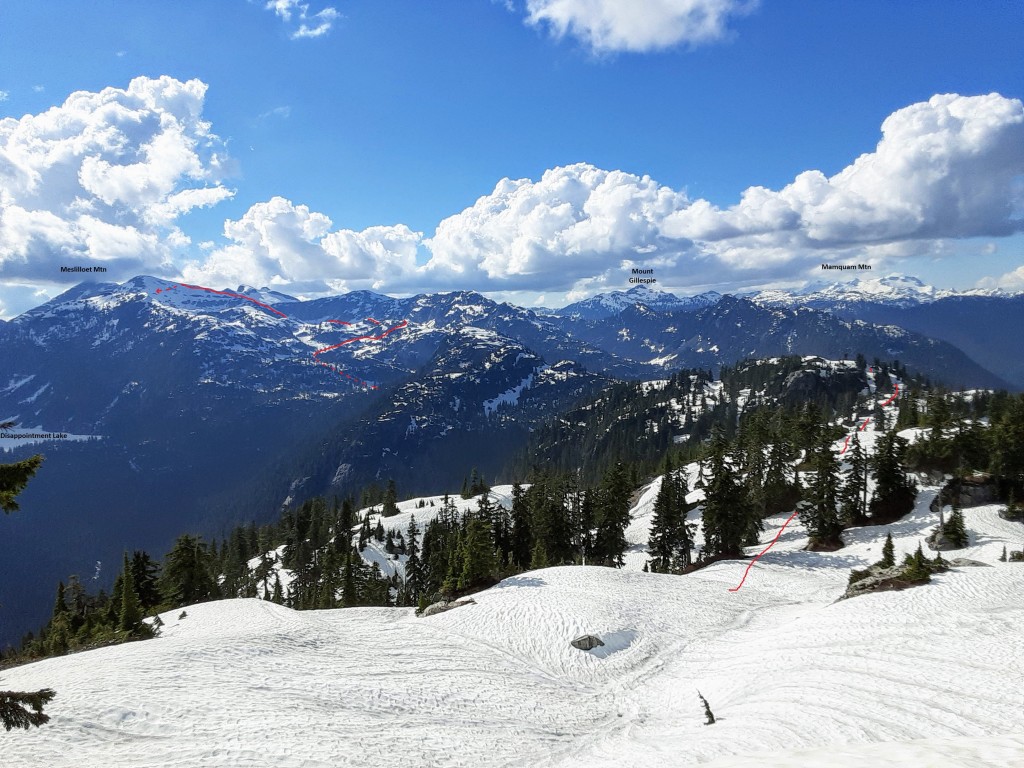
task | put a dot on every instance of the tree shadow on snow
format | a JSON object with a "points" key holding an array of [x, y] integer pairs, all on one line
{"points": [[521, 581]]}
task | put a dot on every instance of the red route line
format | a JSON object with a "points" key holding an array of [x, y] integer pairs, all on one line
{"points": [[233, 295], [336, 369], [896, 391], [846, 444], [770, 545]]}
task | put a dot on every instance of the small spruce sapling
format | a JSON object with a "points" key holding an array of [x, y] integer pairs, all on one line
{"points": [[707, 710], [888, 553]]}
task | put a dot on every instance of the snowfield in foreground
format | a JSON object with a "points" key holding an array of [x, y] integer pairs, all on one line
{"points": [[926, 677]]}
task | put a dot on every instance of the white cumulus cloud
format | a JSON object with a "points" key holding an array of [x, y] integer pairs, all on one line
{"points": [[951, 167], [947, 168], [277, 243], [574, 222], [638, 25], [103, 178]]}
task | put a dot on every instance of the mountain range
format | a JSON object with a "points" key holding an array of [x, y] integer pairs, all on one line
{"points": [[188, 408]]}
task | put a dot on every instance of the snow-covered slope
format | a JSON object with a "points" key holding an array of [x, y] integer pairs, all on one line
{"points": [[786, 670], [922, 677]]}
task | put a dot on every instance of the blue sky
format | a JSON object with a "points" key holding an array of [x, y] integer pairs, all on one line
{"points": [[388, 115]]}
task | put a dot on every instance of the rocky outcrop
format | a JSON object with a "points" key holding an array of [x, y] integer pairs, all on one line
{"points": [[966, 562], [970, 491], [881, 580], [443, 605], [937, 542]]}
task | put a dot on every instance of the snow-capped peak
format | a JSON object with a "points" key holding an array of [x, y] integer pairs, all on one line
{"points": [[895, 289], [607, 304]]}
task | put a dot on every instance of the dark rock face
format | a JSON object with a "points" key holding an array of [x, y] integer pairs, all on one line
{"points": [[970, 491], [586, 642]]}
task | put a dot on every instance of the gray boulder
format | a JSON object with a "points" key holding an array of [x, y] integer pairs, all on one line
{"points": [[586, 642], [442, 605]]}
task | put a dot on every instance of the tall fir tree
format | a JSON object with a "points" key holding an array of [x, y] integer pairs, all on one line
{"points": [[894, 493], [390, 506], [129, 618], [414, 581], [853, 498], [186, 576], [664, 522], [522, 534], [820, 515], [727, 509], [614, 518], [479, 566]]}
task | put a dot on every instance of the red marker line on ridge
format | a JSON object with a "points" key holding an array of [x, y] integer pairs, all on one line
{"points": [[895, 391], [336, 369], [758, 557], [234, 295]]}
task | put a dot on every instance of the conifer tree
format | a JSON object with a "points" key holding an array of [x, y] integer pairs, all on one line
{"points": [[390, 507], [413, 568], [610, 539], [954, 530], [478, 562], [820, 515], [145, 573], [23, 710], [727, 510], [916, 566], [671, 539], [521, 531], [60, 605], [349, 584], [664, 522], [854, 495], [888, 553], [13, 479], [186, 576], [894, 493], [130, 613], [20, 709], [539, 556]]}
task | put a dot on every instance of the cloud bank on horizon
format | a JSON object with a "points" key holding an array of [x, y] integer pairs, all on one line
{"points": [[106, 176]]}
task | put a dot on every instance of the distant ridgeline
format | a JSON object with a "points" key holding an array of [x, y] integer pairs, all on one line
{"points": [[763, 437]]}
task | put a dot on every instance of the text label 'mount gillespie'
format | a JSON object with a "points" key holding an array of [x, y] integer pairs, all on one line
{"points": [[644, 280]]}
